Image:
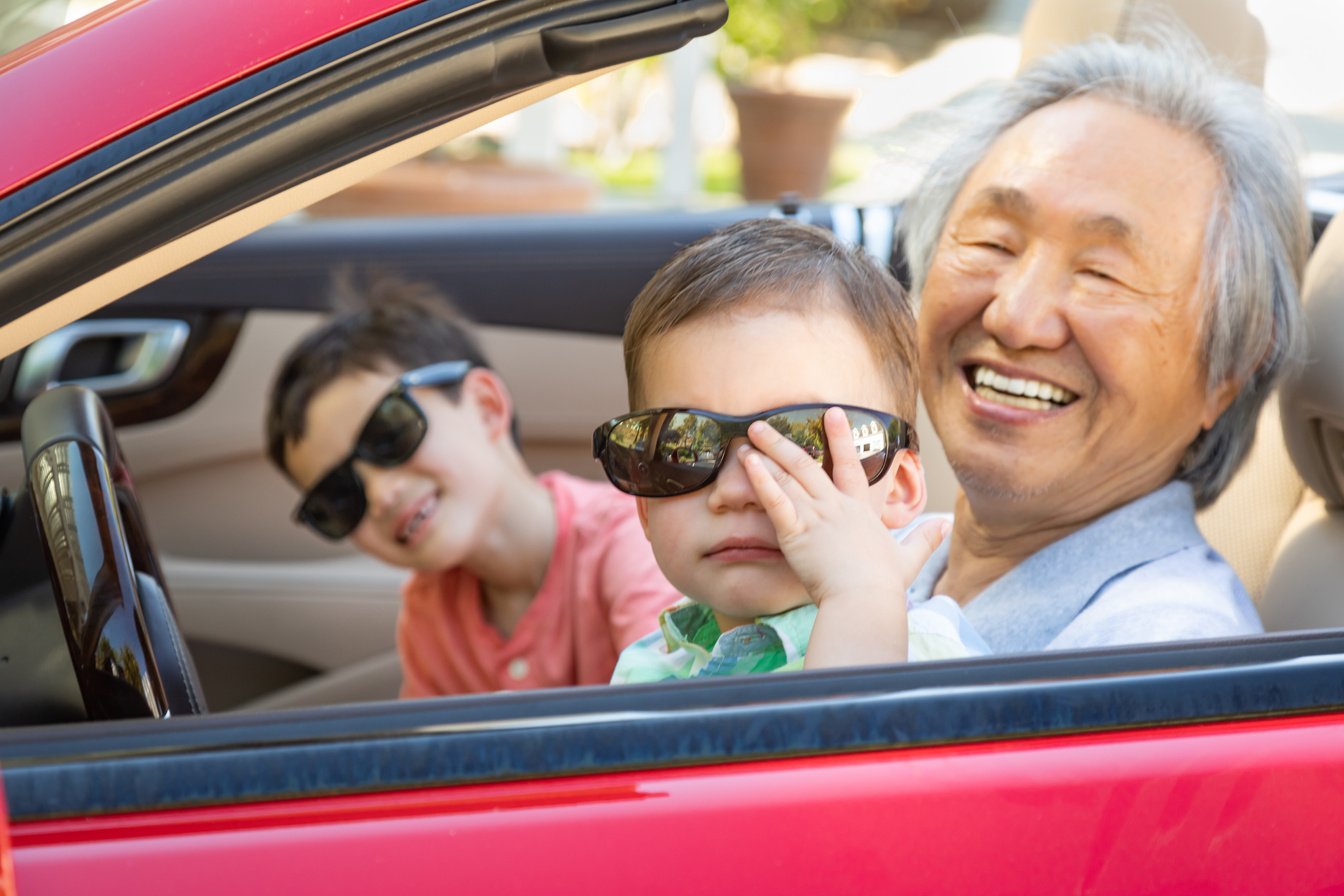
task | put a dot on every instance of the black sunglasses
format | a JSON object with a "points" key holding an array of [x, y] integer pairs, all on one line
{"points": [[334, 506], [664, 452]]}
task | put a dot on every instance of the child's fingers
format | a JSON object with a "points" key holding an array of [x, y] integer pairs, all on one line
{"points": [[790, 457], [846, 471], [769, 481], [918, 546]]}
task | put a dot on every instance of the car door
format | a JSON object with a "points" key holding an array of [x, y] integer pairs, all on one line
{"points": [[105, 204]]}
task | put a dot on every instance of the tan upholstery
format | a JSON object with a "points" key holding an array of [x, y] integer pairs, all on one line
{"points": [[1306, 586], [1229, 31], [1247, 520], [1313, 401]]}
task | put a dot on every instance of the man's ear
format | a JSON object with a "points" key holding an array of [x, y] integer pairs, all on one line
{"points": [[906, 493], [1217, 401], [486, 392]]}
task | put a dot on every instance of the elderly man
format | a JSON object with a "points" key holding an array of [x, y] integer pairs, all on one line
{"points": [[1108, 273]]}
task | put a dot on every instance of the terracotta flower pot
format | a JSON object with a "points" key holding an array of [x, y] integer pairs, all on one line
{"points": [[785, 140]]}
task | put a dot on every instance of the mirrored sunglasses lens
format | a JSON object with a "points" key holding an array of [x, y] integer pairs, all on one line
{"points": [[871, 442], [335, 505], [394, 431], [806, 428], [655, 455], [627, 446]]}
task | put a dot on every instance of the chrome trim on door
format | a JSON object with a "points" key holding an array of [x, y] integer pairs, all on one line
{"points": [[153, 349]]}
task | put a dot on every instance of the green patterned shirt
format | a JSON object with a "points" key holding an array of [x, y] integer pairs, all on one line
{"points": [[688, 643]]}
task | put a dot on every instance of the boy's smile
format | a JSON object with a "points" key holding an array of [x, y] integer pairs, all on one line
{"points": [[716, 544], [425, 513]]}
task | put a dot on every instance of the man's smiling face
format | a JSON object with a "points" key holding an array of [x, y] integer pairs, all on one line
{"points": [[1059, 327]]}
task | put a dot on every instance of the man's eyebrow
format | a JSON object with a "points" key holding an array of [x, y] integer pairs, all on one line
{"points": [[1008, 200], [1110, 226], [1012, 201]]}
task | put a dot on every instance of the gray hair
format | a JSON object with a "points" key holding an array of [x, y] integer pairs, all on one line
{"points": [[1256, 240]]}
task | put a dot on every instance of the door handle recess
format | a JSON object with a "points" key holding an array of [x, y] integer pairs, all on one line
{"points": [[572, 49], [147, 352]]}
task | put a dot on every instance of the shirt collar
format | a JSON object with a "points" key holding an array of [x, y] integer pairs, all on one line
{"points": [[1027, 607], [690, 625]]}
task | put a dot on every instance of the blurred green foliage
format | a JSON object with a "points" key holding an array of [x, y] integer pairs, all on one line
{"points": [[765, 32], [639, 177]]}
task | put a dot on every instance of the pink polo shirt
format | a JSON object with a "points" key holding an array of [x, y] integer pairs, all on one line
{"points": [[602, 591]]}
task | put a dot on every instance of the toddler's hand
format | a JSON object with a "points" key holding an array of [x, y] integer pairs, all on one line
{"points": [[832, 535]]}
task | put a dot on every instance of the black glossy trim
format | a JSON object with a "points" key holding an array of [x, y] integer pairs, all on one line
{"points": [[92, 768]]}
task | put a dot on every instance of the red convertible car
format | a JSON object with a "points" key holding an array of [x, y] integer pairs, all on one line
{"points": [[157, 156]]}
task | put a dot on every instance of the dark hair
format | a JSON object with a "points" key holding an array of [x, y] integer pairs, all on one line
{"points": [[782, 264], [386, 322]]}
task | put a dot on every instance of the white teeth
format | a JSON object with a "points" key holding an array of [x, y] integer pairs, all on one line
{"points": [[413, 524], [1019, 392], [1030, 404]]}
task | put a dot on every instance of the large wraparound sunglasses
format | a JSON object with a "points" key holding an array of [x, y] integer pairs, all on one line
{"points": [[664, 452], [396, 427]]}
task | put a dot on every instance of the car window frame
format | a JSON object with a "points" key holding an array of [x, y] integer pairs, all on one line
{"points": [[90, 769]]}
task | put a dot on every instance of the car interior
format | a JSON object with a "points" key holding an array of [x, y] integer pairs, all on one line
{"points": [[1305, 563], [274, 618]]}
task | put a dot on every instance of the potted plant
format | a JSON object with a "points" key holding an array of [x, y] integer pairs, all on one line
{"points": [[785, 135]]}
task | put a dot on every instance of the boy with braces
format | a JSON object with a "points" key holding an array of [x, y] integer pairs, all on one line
{"points": [[402, 438]]}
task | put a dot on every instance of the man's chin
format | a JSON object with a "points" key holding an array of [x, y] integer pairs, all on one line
{"points": [[1000, 486]]}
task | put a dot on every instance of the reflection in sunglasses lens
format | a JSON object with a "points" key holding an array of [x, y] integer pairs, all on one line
{"points": [[806, 428], [870, 442], [665, 453], [654, 454], [691, 440]]}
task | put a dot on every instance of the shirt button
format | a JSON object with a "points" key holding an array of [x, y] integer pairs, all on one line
{"points": [[518, 668]]}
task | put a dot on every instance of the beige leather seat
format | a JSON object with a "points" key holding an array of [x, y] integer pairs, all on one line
{"points": [[1226, 27], [1306, 585], [1247, 521]]}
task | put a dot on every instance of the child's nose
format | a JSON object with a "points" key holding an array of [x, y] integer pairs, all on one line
{"points": [[382, 488], [731, 489]]}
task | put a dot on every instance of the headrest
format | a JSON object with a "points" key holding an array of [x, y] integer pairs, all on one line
{"points": [[1229, 31], [1311, 403]]}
